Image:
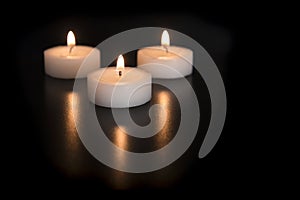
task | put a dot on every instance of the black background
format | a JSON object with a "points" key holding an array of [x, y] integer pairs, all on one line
{"points": [[235, 164]]}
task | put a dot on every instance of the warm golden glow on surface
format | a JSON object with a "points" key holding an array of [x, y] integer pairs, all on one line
{"points": [[164, 118], [71, 133], [164, 98], [120, 138]]}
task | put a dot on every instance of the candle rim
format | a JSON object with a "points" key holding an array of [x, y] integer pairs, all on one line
{"points": [[51, 51], [182, 52], [95, 76]]}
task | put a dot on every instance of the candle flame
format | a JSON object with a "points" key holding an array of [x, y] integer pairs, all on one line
{"points": [[71, 39], [120, 63], [165, 38]]}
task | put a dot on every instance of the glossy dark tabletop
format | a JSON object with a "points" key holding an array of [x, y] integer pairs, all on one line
{"points": [[53, 151]]}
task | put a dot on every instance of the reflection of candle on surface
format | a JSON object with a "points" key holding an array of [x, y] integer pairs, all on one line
{"points": [[72, 139], [120, 86], [166, 134], [166, 61], [64, 61], [120, 139]]}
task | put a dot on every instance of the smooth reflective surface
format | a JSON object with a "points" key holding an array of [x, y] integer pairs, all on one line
{"points": [[53, 152], [140, 115], [70, 128], [64, 148]]}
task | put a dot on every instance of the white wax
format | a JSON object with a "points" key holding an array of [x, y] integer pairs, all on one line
{"points": [[61, 63], [106, 88], [177, 62]]}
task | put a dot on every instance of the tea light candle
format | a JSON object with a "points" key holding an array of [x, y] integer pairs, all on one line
{"points": [[166, 61], [64, 61], [120, 86]]}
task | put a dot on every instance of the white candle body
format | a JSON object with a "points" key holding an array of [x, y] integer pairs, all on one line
{"points": [[177, 62], [106, 88], [61, 63]]}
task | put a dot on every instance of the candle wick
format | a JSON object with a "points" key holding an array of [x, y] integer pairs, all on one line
{"points": [[166, 48], [71, 48], [120, 73]]}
